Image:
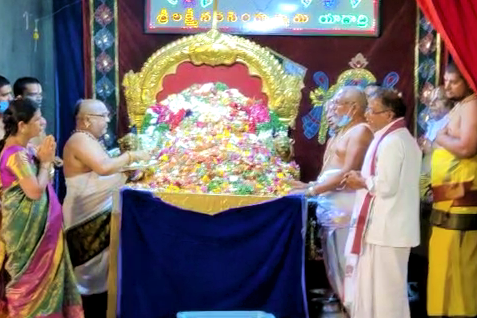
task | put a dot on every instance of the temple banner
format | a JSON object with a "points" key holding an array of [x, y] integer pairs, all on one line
{"points": [[281, 17]]}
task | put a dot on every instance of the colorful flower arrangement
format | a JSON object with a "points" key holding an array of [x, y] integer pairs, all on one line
{"points": [[213, 139]]}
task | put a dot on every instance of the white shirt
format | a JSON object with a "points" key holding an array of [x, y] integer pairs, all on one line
{"points": [[394, 214]]}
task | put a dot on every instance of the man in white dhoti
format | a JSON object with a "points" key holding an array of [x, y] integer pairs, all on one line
{"points": [[91, 178], [344, 152], [385, 221]]}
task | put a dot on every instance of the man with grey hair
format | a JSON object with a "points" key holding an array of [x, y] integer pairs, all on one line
{"points": [[344, 152]]}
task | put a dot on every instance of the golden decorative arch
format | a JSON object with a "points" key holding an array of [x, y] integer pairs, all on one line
{"points": [[352, 76], [213, 48], [357, 72]]}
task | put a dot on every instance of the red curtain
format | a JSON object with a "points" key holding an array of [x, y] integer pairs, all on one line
{"points": [[456, 22]]}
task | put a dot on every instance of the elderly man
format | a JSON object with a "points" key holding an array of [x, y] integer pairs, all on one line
{"points": [[344, 152], [452, 280], [385, 222], [91, 178], [346, 149]]}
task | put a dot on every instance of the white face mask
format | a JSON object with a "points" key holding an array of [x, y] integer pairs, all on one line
{"points": [[344, 120]]}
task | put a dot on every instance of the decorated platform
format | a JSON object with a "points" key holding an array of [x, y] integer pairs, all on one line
{"points": [[215, 110], [224, 131]]}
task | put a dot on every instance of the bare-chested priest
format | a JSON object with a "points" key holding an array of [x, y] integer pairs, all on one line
{"points": [[452, 280], [344, 152], [91, 177]]}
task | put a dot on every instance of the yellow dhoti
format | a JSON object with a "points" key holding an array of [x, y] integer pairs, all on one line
{"points": [[452, 281]]}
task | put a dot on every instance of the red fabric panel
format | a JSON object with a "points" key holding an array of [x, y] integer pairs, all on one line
{"points": [[392, 51], [456, 22], [88, 85], [235, 76]]}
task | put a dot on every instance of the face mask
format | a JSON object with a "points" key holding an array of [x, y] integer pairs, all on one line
{"points": [[344, 120], [3, 106]]}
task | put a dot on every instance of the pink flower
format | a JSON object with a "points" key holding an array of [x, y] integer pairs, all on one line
{"points": [[163, 113], [258, 113]]}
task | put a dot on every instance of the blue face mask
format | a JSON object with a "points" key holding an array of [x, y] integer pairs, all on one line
{"points": [[343, 121], [3, 105]]}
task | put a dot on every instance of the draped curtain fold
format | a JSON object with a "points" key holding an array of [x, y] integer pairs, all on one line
{"points": [[456, 22], [69, 75]]}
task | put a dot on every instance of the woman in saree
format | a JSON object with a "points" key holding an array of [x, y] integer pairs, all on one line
{"points": [[37, 276]]}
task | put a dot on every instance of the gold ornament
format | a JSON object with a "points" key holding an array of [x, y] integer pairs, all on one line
{"points": [[283, 147], [213, 48], [129, 142]]}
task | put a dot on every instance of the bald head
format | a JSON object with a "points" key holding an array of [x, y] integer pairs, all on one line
{"points": [[93, 116], [89, 106], [353, 95]]}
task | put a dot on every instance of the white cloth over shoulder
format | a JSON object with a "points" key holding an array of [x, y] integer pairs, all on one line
{"points": [[342, 200]]}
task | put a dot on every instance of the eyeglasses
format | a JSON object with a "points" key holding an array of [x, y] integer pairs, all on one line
{"points": [[370, 111], [105, 116]]}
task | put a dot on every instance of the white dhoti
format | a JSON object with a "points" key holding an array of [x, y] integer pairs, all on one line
{"points": [[333, 245], [381, 283], [333, 213], [87, 211]]}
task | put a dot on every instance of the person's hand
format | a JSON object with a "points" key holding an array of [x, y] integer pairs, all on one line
{"points": [[140, 155], [354, 180], [425, 145], [297, 191], [421, 140], [298, 185], [46, 150]]}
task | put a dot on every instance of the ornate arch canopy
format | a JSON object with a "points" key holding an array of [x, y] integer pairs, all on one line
{"points": [[213, 48]]}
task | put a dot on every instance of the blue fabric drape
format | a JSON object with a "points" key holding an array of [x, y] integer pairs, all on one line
{"points": [[173, 260], [69, 77]]}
